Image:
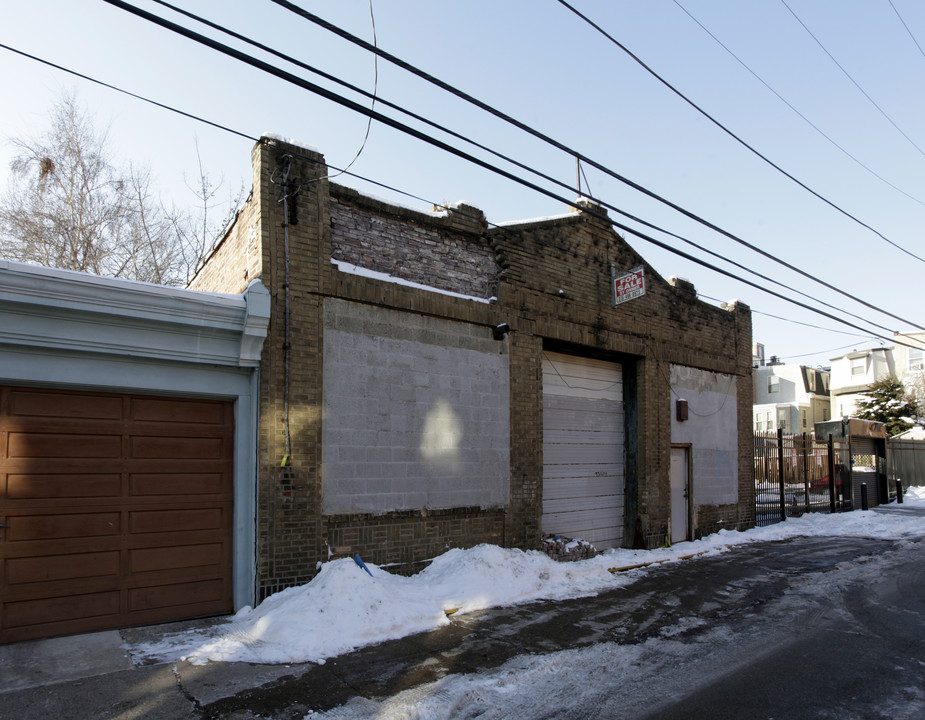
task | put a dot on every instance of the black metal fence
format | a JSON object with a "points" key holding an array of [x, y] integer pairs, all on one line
{"points": [[795, 474]]}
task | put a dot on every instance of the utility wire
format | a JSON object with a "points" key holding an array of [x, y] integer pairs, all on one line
{"points": [[417, 134], [892, 5], [369, 121], [555, 143], [130, 94], [789, 105], [789, 320], [385, 102], [548, 178], [853, 81], [865, 334], [820, 352], [734, 137], [337, 170]]}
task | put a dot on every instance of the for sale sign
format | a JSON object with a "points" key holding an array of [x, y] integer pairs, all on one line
{"points": [[628, 285]]}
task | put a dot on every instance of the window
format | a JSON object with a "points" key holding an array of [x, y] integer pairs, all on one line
{"points": [[858, 366], [782, 418], [773, 384], [915, 360], [803, 418]]}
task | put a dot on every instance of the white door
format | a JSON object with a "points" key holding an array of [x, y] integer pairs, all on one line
{"points": [[680, 495], [583, 439]]}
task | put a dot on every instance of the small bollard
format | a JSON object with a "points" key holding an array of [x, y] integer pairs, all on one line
{"points": [[863, 496], [899, 490]]}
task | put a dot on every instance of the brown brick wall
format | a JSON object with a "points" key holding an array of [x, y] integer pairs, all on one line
{"points": [[552, 284], [403, 541], [409, 245]]}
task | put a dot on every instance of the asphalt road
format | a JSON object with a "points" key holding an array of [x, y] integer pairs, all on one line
{"points": [[803, 628]]}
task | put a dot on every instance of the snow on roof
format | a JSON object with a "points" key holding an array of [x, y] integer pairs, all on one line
{"points": [[351, 269], [290, 141]]}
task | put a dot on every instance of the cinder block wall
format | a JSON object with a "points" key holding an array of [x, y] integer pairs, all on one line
{"points": [[551, 281]]}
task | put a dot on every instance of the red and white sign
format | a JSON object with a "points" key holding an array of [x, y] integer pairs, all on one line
{"points": [[629, 285]]}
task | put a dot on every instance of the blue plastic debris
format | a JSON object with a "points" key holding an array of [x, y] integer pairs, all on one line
{"points": [[359, 561]]}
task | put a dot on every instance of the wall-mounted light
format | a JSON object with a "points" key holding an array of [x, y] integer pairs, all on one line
{"points": [[681, 407], [499, 331]]}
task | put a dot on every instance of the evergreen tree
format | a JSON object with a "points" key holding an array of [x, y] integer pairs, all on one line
{"points": [[888, 402]]}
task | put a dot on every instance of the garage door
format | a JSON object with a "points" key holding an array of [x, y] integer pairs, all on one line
{"points": [[116, 511], [583, 442]]}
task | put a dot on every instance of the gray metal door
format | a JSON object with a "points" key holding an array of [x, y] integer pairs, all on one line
{"points": [[583, 449]]}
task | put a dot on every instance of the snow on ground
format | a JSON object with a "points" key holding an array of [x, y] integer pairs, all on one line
{"points": [[344, 608]]}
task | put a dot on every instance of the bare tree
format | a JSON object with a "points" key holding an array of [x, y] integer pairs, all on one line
{"points": [[198, 229], [70, 206]]}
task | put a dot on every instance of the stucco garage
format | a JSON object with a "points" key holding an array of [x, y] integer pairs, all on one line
{"points": [[127, 451]]}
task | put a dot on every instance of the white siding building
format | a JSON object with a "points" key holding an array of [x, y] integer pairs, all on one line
{"points": [[792, 398], [853, 373], [910, 363]]}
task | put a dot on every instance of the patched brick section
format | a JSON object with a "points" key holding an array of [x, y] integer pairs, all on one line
{"points": [[410, 245], [404, 541]]}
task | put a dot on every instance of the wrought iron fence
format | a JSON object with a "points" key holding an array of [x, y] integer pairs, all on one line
{"points": [[795, 474]]}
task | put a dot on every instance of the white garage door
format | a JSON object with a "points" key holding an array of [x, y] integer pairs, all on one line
{"points": [[583, 439]]}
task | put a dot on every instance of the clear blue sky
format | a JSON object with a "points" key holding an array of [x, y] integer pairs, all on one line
{"points": [[540, 63]]}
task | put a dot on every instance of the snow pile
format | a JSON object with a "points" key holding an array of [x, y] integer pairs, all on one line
{"points": [[343, 608]]}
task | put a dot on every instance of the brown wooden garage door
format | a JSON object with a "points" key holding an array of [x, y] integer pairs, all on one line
{"points": [[117, 510]]}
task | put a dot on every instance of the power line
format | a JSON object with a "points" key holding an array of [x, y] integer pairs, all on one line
{"points": [[732, 134], [130, 94], [908, 30], [499, 155], [452, 133], [789, 320], [789, 105], [417, 134], [555, 143], [382, 101], [820, 352], [853, 81], [219, 126]]}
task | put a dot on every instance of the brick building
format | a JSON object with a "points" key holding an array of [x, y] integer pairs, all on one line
{"points": [[429, 381]]}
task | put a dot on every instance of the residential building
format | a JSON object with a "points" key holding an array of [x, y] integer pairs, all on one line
{"points": [[792, 398], [853, 373], [909, 363]]}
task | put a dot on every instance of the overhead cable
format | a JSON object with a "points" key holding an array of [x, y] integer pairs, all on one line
{"points": [[732, 134], [789, 105], [337, 170], [506, 158], [908, 30], [853, 81], [130, 94], [417, 134], [555, 143]]}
